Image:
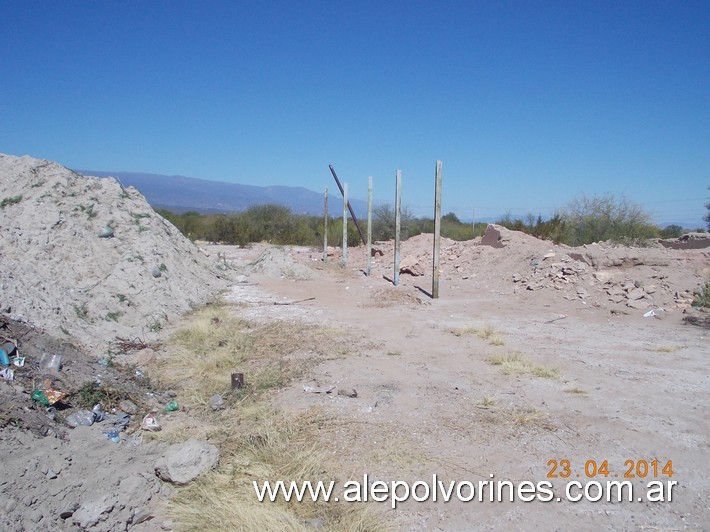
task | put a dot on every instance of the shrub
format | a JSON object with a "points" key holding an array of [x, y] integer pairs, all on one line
{"points": [[601, 218]]}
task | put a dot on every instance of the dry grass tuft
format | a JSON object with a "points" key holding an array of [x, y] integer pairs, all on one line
{"points": [[515, 364], [668, 349], [485, 332], [575, 391], [278, 447]]}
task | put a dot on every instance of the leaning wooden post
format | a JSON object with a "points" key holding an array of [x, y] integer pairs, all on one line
{"points": [[345, 224], [325, 226], [437, 231], [369, 224], [397, 225]]}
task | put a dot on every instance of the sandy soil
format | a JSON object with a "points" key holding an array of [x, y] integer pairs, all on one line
{"points": [[429, 400]]}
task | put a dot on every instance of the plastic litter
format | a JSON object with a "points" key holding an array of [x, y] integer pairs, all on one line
{"points": [[7, 350], [99, 414], [50, 361], [7, 374], [106, 232], [654, 312], [112, 435], [140, 374], [172, 406], [150, 423], [84, 418], [48, 397], [18, 361]]}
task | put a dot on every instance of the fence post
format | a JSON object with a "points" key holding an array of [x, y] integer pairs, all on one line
{"points": [[397, 225], [437, 231], [325, 226], [345, 224], [369, 224]]}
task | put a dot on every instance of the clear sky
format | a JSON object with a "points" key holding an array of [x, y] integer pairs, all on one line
{"points": [[527, 103]]}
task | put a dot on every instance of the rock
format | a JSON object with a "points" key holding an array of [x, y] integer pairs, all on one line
{"points": [[581, 292], [216, 402], [90, 513], [650, 289], [603, 277], [639, 304], [129, 407], [184, 462], [144, 357], [548, 255], [492, 237], [411, 266], [636, 293], [155, 272]]}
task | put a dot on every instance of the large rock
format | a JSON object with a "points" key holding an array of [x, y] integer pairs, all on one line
{"points": [[184, 462]]}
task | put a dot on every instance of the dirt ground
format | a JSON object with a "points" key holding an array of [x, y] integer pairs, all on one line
{"points": [[603, 382]]}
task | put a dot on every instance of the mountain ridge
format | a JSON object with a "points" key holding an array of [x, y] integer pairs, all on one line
{"points": [[182, 193]]}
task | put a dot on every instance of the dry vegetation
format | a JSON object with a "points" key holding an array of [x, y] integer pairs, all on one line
{"points": [[516, 364], [257, 442]]}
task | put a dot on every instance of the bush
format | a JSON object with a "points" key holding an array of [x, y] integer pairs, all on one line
{"points": [[597, 219], [671, 231], [702, 298]]}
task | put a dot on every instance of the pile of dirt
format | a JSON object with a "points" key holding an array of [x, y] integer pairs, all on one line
{"points": [[279, 263], [606, 275], [86, 259]]}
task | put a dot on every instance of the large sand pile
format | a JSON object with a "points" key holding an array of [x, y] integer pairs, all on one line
{"points": [[59, 274]]}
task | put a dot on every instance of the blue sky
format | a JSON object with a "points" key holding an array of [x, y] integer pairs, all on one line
{"points": [[528, 103]]}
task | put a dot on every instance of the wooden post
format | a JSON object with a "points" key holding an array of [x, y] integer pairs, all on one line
{"points": [[437, 231], [369, 224], [325, 226], [237, 381], [345, 224], [397, 225]]}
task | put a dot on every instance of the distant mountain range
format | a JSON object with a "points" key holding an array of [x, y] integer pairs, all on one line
{"points": [[181, 194]]}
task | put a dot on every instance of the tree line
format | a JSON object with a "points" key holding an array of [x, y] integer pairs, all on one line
{"points": [[582, 221]]}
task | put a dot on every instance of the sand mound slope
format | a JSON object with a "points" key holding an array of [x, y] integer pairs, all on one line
{"points": [[59, 274]]}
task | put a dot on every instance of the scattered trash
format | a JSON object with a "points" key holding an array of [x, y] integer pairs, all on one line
{"points": [[318, 389], [172, 406], [654, 312], [150, 423], [99, 414], [140, 374], [85, 418], [50, 361], [216, 402], [18, 361], [48, 397], [6, 351], [112, 435], [103, 362], [7, 374], [51, 412], [106, 232]]}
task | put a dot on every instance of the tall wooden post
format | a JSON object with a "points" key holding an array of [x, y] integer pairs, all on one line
{"points": [[325, 226], [397, 225], [369, 225], [437, 231], [345, 224]]}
